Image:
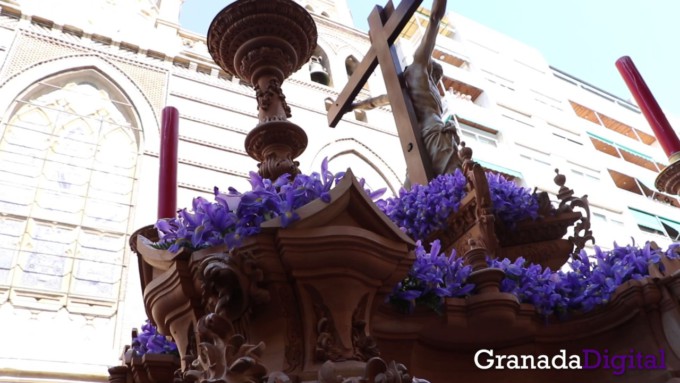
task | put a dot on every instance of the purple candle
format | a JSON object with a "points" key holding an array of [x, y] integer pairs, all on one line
{"points": [[650, 108], [167, 175]]}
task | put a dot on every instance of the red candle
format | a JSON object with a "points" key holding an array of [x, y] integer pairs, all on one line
{"points": [[650, 108], [167, 175]]}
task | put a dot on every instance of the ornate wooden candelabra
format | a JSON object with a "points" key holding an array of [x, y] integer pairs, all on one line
{"points": [[263, 43]]}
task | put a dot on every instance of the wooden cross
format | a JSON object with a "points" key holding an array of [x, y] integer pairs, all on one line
{"points": [[385, 25]]}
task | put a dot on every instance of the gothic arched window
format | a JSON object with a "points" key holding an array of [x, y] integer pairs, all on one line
{"points": [[68, 156]]}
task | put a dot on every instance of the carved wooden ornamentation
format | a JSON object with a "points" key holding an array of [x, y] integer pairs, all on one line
{"points": [[294, 350], [223, 355], [538, 241], [364, 345], [328, 345], [231, 284], [265, 96], [568, 203], [376, 370], [305, 290], [328, 342]]}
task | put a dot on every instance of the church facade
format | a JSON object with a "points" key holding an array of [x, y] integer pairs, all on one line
{"points": [[83, 83]]}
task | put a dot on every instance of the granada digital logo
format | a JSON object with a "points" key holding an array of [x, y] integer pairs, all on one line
{"points": [[588, 359]]}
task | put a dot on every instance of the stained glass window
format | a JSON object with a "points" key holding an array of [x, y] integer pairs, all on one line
{"points": [[68, 158]]}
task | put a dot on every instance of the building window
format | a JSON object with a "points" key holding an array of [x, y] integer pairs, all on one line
{"points": [[471, 134], [68, 160], [499, 80], [563, 134], [533, 155], [603, 219], [607, 228], [585, 175], [562, 137], [515, 116], [583, 172], [546, 100], [654, 224], [535, 159]]}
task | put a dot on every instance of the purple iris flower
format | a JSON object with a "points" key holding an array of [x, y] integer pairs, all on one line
{"points": [[589, 284], [149, 341], [433, 277]]}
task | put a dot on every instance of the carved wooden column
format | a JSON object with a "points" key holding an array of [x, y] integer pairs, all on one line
{"points": [[263, 43]]}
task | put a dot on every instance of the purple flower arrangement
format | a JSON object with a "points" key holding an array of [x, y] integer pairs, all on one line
{"points": [[589, 284], [511, 203], [433, 277], [425, 208], [149, 341], [419, 212], [234, 216]]}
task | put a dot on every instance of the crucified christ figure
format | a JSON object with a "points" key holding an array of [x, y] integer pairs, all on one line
{"points": [[421, 77]]}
